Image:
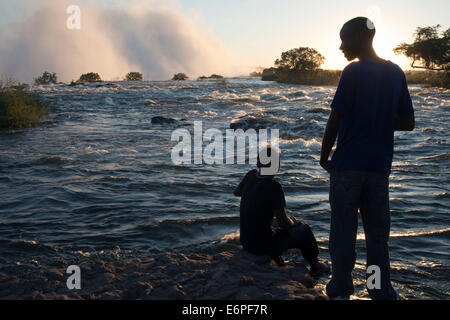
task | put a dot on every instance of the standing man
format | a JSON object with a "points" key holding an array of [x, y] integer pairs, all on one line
{"points": [[371, 101]]}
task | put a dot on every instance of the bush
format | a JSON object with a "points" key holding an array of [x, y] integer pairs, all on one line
{"points": [[430, 78], [270, 74], [430, 49], [300, 59], [317, 77], [180, 77], [19, 108], [255, 74], [46, 78], [213, 76], [133, 76], [90, 77]]}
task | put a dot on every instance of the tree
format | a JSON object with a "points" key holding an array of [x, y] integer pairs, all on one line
{"points": [[46, 78], [134, 76], [90, 77], [300, 59], [429, 49], [180, 77], [213, 76]]}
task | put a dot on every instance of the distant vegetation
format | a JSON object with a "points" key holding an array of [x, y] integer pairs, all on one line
{"points": [[300, 59], [430, 51], [317, 77], [180, 77], [213, 76], [429, 78], [46, 78], [301, 66], [18, 107], [134, 76], [90, 77], [256, 74]]}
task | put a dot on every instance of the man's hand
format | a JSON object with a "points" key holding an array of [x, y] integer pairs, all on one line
{"points": [[283, 220], [326, 164], [293, 220], [329, 137]]}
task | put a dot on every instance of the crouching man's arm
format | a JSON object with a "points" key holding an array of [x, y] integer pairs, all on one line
{"points": [[238, 190], [283, 220], [329, 137]]}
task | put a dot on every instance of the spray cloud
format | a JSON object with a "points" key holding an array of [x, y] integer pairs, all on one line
{"points": [[153, 38]]}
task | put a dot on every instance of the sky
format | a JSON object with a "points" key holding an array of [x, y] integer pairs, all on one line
{"points": [[161, 37], [259, 30]]}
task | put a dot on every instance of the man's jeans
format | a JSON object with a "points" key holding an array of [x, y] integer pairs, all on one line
{"points": [[300, 237], [369, 192]]}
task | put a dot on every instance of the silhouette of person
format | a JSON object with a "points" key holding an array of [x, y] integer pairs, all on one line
{"points": [[371, 102], [262, 199]]}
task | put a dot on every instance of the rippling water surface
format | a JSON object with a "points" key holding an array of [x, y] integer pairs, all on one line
{"points": [[96, 179]]}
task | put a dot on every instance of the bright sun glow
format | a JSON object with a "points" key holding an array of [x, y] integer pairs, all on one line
{"points": [[384, 44]]}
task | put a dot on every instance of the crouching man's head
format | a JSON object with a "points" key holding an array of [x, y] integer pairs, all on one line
{"points": [[269, 161]]}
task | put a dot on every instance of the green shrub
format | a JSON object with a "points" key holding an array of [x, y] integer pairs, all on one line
{"points": [[20, 108], [318, 77], [429, 78], [255, 74], [270, 74], [46, 78], [180, 77], [213, 76], [133, 76], [90, 77]]}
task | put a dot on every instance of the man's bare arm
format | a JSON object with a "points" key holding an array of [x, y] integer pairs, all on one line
{"points": [[405, 123], [329, 137], [238, 190], [283, 220]]}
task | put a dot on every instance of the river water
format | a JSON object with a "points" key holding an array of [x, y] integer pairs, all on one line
{"points": [[96, 179]]}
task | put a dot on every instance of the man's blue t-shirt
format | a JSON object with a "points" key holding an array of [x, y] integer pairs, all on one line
{"points": [[370, 96]]}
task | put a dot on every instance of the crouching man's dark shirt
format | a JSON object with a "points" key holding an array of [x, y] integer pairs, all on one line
{"points": [[261, 196]]}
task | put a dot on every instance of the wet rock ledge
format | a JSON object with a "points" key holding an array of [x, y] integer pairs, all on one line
{"points": [[227, 275]]}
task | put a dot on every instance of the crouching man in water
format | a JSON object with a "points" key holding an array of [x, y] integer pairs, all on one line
{"points": [[262, 199]]}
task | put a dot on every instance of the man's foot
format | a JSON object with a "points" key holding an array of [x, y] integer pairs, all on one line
{"points": [[319, 268]]}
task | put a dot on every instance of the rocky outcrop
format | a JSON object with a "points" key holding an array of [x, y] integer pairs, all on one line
{"points": [[226, 275], [162, 120]]}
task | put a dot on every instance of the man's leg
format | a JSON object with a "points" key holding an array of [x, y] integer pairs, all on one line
{"points": [[376, 218], [300, 237], [345, 193]]}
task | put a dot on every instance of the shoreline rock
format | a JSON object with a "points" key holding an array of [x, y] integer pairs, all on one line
{"points": [[163, 120], [227, 275]]}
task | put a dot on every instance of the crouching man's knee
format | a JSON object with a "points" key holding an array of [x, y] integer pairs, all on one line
{"points": [[300, 231]]}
